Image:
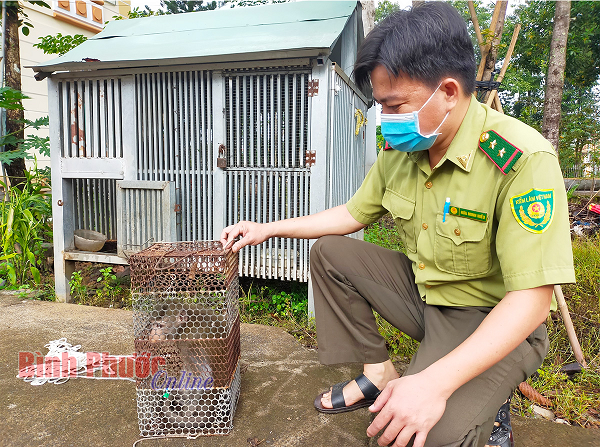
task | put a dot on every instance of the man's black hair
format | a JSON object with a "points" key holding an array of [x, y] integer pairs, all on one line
{"points": [[427, 43]]}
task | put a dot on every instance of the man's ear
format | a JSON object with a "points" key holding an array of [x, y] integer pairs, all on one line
{"points": [[452, 91]]}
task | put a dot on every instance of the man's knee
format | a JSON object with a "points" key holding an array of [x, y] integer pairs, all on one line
{"points": [[323, 246]]}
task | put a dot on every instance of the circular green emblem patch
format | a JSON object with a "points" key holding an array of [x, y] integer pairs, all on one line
{"points": [[534, 209]]}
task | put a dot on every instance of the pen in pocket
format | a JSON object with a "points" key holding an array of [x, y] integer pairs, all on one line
{"points": [[446, 208]]}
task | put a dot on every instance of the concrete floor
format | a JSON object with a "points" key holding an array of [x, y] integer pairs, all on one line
{"points": [[279, 382]]}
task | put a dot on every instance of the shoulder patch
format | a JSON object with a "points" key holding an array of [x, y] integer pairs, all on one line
{"points": [[534, 209], [503, 154]]}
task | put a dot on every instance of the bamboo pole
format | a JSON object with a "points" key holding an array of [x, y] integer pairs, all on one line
{"points": [[507, 58], [476, 24], [488, 45], [497, 104], [566, 317]]}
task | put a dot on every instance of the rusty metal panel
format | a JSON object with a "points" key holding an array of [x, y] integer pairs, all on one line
{"points": [[91, 118]]}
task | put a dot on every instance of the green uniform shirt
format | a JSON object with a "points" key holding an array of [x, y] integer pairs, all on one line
{"points": [[504, 232]]}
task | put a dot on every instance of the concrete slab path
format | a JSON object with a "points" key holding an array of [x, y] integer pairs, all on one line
{"points": [[279, 382]]}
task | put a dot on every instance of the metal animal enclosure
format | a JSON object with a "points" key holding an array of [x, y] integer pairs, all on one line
{"points": [[146, 151], [266, 119], [265, 134]]}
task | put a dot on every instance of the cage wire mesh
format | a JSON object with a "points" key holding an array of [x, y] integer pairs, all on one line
{"points": [[186, 323]]}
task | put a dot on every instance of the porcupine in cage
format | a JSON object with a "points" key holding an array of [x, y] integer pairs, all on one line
{"points": [[186, 321]]}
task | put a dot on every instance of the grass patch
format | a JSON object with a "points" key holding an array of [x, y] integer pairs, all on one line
{"points": [[384, 233], [278, 303]]}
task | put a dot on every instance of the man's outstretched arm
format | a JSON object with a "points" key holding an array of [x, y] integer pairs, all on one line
{"points": [[335, 220]]}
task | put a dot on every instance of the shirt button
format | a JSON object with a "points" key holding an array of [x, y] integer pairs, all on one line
{"points": [[457, 232], [427, 286], [425, 226], [428, 185], [421, 266]]}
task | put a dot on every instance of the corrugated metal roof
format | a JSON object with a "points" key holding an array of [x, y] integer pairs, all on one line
{"points": [[272, 31]]}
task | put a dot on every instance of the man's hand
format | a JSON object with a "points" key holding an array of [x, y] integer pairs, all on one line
{"points": [[252, 234], [411, 405]]}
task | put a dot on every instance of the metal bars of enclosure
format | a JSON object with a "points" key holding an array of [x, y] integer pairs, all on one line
{"points": [[267, 117], [174, 143], [348, 142], [91, 123]]}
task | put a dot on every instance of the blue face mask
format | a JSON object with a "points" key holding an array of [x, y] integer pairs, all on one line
{"points": [[402, 131]]}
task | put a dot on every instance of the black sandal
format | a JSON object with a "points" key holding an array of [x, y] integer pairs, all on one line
{"points": [[370, 393]]}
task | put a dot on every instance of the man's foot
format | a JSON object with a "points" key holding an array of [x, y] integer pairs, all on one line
{"points": [[378, 373], [502, 433]]}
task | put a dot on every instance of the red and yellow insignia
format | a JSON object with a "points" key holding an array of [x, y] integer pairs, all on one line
{"points": [[534, 209]]}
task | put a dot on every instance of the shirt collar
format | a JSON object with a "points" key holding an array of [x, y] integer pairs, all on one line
{"points": [[461, 151]]}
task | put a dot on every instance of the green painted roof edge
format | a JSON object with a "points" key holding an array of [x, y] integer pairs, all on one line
{"points": [[285, 28]]}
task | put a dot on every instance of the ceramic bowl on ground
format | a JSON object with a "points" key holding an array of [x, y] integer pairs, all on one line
{"points": [[89, 240]]}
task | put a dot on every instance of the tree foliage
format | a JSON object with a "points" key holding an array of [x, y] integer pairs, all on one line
{"points": [[24, 22], [180, 6], [384, 9], [59, 44], [10, 99]]}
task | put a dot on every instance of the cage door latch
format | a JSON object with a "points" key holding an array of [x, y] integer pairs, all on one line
{"points": [[221, 160]]}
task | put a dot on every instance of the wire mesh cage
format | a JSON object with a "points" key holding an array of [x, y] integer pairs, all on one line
{"points": [[186, 324]]}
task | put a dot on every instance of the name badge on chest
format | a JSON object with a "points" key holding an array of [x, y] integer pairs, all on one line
{"points": [[468, 214]]}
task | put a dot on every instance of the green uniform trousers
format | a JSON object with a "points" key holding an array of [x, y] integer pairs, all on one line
{"points": [[351, 278]]}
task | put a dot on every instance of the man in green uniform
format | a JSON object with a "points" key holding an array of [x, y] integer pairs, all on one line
{"points": [[480, 205]]}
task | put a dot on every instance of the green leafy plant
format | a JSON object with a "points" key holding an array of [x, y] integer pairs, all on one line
{"points": [[10, 99], [24, 223], [571, 191], [46, 291], [400, 346], [78, 289], [286, 303], [108, 291]]}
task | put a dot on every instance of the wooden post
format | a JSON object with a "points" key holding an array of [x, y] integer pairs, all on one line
{"points": [[566, 317], [476, 25], [507, 58], [488, 45]]}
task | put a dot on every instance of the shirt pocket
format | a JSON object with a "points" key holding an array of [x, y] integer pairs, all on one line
{"points": [[402, 210], [462, 246]]}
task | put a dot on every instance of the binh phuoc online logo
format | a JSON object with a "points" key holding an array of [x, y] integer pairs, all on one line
{"points": [[129, 367]]}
